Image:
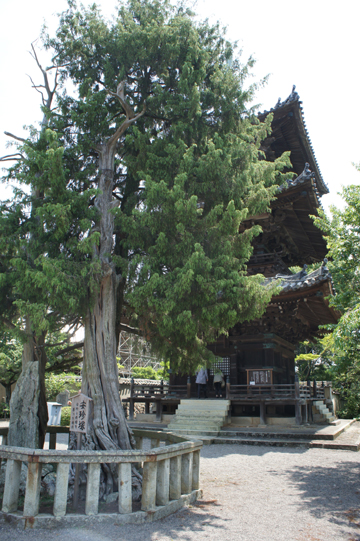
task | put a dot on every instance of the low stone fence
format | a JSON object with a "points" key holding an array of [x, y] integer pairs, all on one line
{"points": [[170, 481]]}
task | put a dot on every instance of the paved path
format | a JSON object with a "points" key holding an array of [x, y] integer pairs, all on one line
{"points": [[250, 494]]}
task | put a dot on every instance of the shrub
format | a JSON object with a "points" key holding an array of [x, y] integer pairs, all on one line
{"points": [[4, 410], [65, 416], [57, 383], [142, 372]]}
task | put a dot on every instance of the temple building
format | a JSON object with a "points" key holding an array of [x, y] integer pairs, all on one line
{"points": [[262, 351]]}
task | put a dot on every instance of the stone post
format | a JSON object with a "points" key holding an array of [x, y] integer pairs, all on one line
{"points": [[32, 491], [162, 482], [148, 499], [124, 487], [92, 489], [175, 477], [186, 473], [155, 442], [196, 470], [61, 489], [12, 485]]}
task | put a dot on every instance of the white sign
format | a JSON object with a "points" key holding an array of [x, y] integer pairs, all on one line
{"points": [[80, 408]]}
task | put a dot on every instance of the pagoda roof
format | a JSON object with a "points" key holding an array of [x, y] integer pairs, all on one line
{"points": [[302, 281], [289, 133]]}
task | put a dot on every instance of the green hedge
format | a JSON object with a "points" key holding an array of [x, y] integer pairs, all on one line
{"points": [[65, 416]]}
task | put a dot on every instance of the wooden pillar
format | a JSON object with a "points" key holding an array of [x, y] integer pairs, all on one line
{"points": [[92, 489], [124, 487], [131, 401], [227, 388], [158, 410], [297, 401], [262, 413], [175, 477], [147, 407], [186, 473], [12, 485], [131, 409], [162, 482], [148, 499], [52, 442], [61, 489], [32, 491]]}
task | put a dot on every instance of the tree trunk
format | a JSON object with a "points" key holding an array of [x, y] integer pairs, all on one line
{"points": [[108, 428], [100, 372], [28, 410]]}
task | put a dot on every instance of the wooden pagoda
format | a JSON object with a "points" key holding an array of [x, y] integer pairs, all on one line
{"points": [[262, 351]]}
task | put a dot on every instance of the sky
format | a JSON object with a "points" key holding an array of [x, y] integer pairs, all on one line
{"points": [[314, 44]]}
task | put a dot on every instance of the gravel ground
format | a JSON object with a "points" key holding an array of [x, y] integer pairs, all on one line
{"points": [[250, 494]]}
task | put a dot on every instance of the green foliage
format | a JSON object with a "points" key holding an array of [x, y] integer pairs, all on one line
{"points": [[186, 175], [314, 361], [4, 410], [65, 416], [145, 372], [10, 359], [342, 232], [57, 383]]}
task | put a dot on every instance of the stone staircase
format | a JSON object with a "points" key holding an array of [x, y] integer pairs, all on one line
{"points": [[342, 435], [321, 413], [200, 418]]}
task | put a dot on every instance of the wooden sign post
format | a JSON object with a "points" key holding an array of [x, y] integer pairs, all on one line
{"points": [[79, 418]]}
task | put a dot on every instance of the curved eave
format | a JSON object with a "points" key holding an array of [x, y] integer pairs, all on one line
{"points": [[290, 134]]}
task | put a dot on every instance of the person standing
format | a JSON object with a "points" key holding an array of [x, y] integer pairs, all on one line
{"points": [[201, 380], [218, 381]]}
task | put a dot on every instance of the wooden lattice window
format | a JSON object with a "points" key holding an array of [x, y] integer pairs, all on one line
{"points": [[223, 363]]}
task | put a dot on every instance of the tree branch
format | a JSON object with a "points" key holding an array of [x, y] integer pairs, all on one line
{"points": [[130, 330], [15, 137], [78, 345], [11, 157]]}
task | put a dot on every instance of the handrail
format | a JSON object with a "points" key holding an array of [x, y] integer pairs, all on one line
{"points": [[170, 472]]}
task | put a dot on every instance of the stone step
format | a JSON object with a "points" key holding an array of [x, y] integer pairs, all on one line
{"points": [[320, 444], [191, 424], [265, 435], [203, 418], [271, 442], [195, 433], [208, 403], [203, 409]]}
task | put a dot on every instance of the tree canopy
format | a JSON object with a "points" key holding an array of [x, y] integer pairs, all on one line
{"points": [[140, 177], [186, 173]]}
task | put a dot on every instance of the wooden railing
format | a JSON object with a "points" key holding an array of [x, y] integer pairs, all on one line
{"points": [[314, 390], [250, 392], [170, 477]]}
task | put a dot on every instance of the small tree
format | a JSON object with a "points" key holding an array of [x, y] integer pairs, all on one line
{"points": [[10, 362], [342, 232]]}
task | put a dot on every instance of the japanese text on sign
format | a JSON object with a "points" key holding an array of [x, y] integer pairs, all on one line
{"points": [[80, 406]]}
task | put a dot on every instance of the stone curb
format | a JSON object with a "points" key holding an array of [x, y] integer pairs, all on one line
{"points": [[47, 521]]}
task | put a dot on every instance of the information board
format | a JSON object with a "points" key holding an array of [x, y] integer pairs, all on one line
{"points": [[259, 377], [80, 409]]}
